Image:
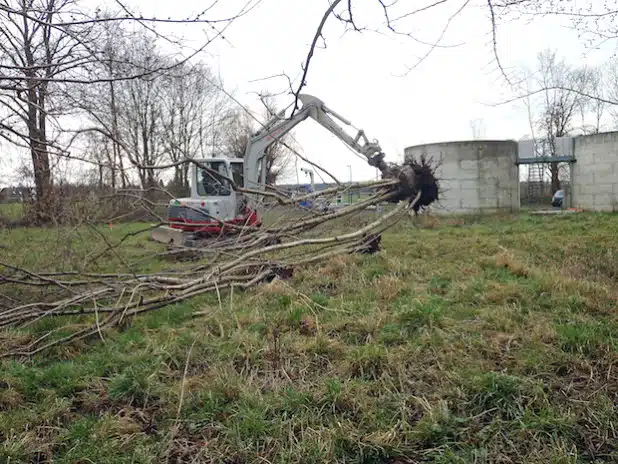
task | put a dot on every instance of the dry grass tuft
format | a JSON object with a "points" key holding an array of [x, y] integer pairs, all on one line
{"points": [[275, 288], [507, 260], [388, 287], [337, 267]]}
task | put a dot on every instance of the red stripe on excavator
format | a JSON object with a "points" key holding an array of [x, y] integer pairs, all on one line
{"points": [[211, 226]]}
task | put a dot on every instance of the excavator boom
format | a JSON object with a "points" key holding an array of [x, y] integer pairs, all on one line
{"points": [[277, 128]]}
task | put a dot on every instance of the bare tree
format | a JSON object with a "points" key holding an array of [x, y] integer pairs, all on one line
{"points": [[242, 127], [99, 149], [611, 89], [194, 115], [127, 112], [141, 112], [561, 101], [113, 39], [35, 50], [96, 104], [596, 105]]}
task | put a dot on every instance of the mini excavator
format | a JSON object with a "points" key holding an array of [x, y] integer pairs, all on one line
{"points": [[215, 208]]}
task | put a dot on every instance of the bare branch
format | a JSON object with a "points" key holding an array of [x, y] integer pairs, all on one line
{"points": [[316, 37]]}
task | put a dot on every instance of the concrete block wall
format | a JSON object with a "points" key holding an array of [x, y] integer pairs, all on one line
{"points": [[475, 176], [595, 173]]}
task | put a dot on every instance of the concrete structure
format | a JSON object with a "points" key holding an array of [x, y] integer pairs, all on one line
{"points": [[482, 176], [595, 173], [15, 194], [479, 176]]}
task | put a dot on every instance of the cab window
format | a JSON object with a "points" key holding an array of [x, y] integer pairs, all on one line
{"points": [[209, 184], [237, 174]]}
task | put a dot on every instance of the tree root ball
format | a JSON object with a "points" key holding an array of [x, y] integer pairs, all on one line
{"points": [[414, 176]]}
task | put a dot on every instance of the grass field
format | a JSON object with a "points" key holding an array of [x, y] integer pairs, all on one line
{"points": [[488, 340], [11, 210]]}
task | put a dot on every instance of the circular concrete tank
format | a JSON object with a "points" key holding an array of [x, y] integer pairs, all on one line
{"points": [[478, 176]]}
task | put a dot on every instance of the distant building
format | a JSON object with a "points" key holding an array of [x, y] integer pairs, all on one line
{"points": [[15, 194]]}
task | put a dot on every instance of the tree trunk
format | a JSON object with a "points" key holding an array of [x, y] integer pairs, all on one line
{"points": [[100, 177], [185, 178], [115, 146], [39, 151], [555, 179], [40, 163], [113, 175], [124, 178]]}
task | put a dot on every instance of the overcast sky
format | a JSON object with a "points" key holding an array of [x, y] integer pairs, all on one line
{"points": [[361, 75]]}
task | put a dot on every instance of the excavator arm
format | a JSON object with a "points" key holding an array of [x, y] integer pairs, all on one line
{"points": [[274, 130]]}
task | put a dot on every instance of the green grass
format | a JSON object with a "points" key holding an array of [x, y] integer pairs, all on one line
{"points": [[11, 211], [479, 340]]}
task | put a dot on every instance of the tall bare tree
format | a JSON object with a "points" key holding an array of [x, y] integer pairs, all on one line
{"points": [[96, 103], [563, 98], [594, 104], [611, 89], [36, 48], [141, 111], [128, 112], [194, 114]]}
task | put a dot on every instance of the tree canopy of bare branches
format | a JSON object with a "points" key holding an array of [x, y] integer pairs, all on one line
{"points": [[47, 47], [561, 102]]}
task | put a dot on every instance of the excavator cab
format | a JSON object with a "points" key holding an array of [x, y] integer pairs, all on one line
{"points": [[237, 167], [212, 204]]}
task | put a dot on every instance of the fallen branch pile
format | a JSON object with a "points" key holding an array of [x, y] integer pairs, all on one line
{"points": [[93, 303]]}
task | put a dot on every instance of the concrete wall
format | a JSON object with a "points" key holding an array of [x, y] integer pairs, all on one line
{"points": [[595, 173], [477, 176]]}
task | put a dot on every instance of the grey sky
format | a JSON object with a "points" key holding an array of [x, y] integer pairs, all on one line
{"points": [[359, 74]]}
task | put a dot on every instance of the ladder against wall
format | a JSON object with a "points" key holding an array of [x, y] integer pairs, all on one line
{"points": [[535, 182]]}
